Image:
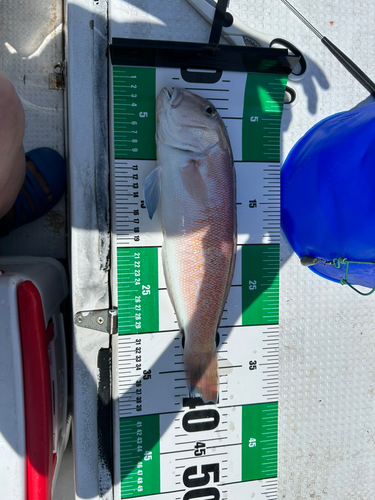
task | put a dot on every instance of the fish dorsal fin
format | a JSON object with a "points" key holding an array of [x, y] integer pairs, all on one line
{"points": [[194, 183], [152, 191]]}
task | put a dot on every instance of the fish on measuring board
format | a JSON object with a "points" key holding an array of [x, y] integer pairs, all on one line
{"points": [[194, 183]]}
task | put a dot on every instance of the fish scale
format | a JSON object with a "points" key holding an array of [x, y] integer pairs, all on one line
{"points": [[192, 269]]}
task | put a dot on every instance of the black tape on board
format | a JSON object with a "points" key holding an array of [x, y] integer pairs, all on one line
{"points": [[165, 54]]}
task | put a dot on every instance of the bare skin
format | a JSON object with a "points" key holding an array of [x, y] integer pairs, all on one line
{"points": [[12, 155]]}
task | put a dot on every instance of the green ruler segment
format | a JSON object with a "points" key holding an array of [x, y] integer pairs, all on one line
{"points": [[140, 456], [260, 284], [262, 113], [259, 441], [138, 293], [134, 112]]}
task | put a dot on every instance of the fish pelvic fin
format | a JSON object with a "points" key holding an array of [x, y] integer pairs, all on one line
{"points": [[201, 376]]}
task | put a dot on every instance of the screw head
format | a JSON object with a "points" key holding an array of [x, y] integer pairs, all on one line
{"points": [[100, 320], [79, 319]]}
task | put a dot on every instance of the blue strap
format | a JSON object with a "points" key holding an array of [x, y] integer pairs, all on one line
{"points": [[37, 195]]}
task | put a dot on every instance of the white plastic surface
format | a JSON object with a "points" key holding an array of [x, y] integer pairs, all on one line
{"points": [[12, 410], [327, 374]]}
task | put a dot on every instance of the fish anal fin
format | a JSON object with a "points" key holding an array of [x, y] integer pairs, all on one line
{"points": [[193, 182], [152, 191]]}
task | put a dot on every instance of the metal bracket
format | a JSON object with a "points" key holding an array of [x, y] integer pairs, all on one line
{"points": [[56, 80], [102, 320]]}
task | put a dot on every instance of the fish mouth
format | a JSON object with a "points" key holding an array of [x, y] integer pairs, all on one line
{"points": [[174, 99], [177, 97], [167, 93]]}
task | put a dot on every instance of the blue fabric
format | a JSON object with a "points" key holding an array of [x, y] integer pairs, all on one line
{"points": [[328, 194], [52, 167]]}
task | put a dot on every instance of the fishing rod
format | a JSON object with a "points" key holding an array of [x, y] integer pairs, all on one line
{"points": [[358, 74]]}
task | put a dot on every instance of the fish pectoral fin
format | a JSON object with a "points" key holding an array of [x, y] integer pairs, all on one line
{"points": [[194, 183], [152, 191]]}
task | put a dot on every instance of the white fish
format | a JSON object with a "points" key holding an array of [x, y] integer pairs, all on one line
{"points": [[194, 183]]}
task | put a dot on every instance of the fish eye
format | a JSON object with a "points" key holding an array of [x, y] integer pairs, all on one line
{"points": [[209, 111]]}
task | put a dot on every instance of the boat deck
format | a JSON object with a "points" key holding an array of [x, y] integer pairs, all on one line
{"points": [[327, 374]]}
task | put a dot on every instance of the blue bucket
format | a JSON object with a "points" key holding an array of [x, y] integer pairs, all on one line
{"points": [[328, 197]]}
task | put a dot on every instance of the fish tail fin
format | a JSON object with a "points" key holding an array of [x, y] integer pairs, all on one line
{"points": [[201, 375]]}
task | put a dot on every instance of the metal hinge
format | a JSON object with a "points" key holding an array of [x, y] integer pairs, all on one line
{"points": [[56, 80], [102, 320]]}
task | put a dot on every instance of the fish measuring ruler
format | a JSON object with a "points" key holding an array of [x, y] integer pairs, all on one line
{"points": [[171, 446]]}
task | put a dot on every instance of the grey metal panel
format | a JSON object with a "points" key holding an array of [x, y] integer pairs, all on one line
{"points": [[89, 238]]}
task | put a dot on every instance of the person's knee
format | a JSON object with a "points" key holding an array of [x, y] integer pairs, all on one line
{"points": [[12, 123], [12, 156]]}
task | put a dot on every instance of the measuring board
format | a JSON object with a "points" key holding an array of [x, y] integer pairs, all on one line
{"points": [[173, 446]]}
